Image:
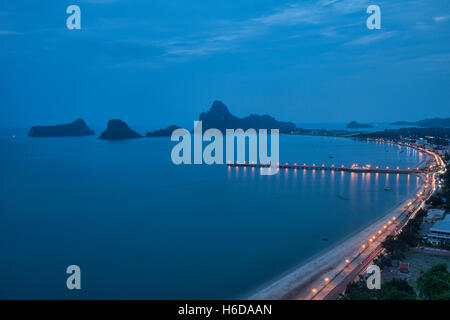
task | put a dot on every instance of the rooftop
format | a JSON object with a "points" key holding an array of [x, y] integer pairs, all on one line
{"points": [[403, 267], [435, 212], [442, 225]]}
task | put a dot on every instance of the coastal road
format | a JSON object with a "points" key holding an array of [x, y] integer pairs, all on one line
{"points": [[340, 288], [334, 288]]}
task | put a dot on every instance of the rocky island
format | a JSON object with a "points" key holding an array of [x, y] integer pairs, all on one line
{"points": [[220, 117], [118, 130], [73, 129], [356, 125], [162, 133]]}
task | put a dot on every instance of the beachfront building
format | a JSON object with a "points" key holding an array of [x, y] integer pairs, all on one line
{"points": [[440, 231], [434, 215]]}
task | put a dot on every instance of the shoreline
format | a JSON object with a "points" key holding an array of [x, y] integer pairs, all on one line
{"points": [[298, 281]]}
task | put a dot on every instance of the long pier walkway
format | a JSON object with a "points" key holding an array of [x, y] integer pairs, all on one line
{"points": [[356, 169]]}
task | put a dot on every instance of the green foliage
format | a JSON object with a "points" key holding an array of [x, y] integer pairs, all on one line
{"points": [[408, 237], [435, 283], [395, 289], [434, 201], [385, 262], [358, 291], [393, 245]]}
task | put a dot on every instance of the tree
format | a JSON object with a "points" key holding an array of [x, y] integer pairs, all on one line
{"points": [[434, 284], [358, 291], [393, 245], [396, 289]]}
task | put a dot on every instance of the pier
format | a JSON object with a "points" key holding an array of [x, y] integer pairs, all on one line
{"points": [[354, 168]]}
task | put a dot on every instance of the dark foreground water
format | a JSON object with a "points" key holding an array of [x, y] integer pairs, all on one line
{"points": [[142, 228]]}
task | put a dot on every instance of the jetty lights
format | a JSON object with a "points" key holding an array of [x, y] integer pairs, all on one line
{"points": [[393, 218], [363, 246], [384, 227], [314, 290], [326, 279], [347, 260], [379, 231]]}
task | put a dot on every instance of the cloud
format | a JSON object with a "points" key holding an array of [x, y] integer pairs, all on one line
{"points": [[365, 40], [291, 15], [311, 13], [441, 18], [8, 33]]}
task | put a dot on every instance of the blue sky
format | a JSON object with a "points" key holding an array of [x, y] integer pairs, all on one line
{"points": [[161, 62]]}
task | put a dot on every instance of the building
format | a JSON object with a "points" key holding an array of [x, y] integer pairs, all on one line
{"points": [[421, 142], [433, 215], [403, 267], [440, 231]]}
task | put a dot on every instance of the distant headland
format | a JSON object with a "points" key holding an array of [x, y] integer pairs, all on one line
{"points": [[426, 123], [118, 130], [356, 125], [73, 129]]}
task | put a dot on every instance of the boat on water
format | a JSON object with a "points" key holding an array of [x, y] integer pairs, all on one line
{"points": [[387, 188]]}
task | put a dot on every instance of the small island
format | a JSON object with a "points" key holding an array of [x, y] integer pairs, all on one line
{"points": [[162, 133], [356, 125], [118, 130], [73, 129]]}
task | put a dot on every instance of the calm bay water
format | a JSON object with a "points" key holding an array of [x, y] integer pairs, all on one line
{"points": [[142, 228]]}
